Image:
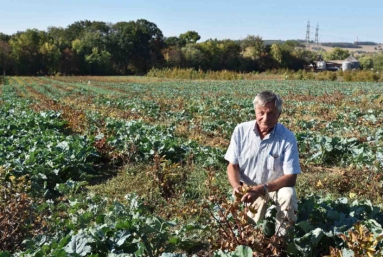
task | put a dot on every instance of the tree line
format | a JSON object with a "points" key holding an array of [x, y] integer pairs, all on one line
{"points": [[135, 47]]}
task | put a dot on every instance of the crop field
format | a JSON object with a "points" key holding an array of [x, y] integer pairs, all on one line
{"points": [[364, 48], [133, 166]]}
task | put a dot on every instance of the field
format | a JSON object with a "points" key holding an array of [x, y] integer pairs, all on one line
{"points": [[133, 166], [364, 48]]}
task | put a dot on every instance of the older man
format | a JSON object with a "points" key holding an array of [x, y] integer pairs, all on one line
{"points": [[263, 154]]}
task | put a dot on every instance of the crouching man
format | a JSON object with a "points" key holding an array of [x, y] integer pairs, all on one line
{"points": [[263, 154]]}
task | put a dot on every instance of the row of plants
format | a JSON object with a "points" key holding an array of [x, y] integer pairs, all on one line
{"points": [[346, 76], [282, 74], [38, 145], [95, 226], [319, 146], [203, 118]]}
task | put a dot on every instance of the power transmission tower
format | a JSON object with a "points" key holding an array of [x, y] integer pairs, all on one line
{"points": [[316, 35], [308, 34]]}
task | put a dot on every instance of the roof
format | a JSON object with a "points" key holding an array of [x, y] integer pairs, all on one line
{"points": [[335, 61], [351, 59]]}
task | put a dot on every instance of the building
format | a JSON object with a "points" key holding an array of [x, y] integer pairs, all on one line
{"points": [[350, 64], [333, 65]]}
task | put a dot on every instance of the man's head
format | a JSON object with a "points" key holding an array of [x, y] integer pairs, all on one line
{"points": [[268, 108]]}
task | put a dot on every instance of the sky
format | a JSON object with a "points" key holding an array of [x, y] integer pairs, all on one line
{"points": [[338, 21]]}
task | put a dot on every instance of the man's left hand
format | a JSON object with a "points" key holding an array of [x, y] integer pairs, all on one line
{"points": [[253, 194]]}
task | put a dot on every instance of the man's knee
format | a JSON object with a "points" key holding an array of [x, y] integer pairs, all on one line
{"points": [[287, 198]]}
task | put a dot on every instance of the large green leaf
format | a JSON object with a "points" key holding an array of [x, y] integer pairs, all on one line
{"points": [[78, 245]]}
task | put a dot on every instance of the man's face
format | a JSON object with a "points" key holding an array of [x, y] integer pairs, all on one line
{"points": [[266, 116]]}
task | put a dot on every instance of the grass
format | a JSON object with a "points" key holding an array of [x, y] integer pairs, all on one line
{"points": [[188, 189]]}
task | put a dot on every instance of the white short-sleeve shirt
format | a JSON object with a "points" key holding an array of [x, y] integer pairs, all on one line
{"points": [[263, 160]]}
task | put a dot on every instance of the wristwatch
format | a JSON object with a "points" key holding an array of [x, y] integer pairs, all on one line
{"points": [[265, 189]]}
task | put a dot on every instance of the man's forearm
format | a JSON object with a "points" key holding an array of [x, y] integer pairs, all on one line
{"points": [[284, 181], [233, 175]]}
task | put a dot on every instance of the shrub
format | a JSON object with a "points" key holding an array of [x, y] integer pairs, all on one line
{"points": [[16, 219]]}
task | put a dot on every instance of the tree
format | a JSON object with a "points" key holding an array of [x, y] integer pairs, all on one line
{"points": [[92, 49], [337, 54], [189, 37], [173, 56], [70, 62], [230, 54], [192, 56], [276, 53], [50, 54], [136, 45], [100, 27], [172, 41], [122, 44], [25, 51], [76, 30], [304, 54], [293, 56], [5, 55], [59, 37], [212, 54], [98, 59], [4, 37], [366, 62], [378, 61], [252, 47], [151, 44]]}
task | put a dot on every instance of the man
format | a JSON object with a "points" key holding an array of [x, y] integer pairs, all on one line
{"points": [[263, 154]]}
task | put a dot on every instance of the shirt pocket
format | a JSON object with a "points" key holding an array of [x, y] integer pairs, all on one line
{"points": [[274, 166], [275, 163]]}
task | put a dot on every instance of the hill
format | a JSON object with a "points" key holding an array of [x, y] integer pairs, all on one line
{"points": [[363, 48]]}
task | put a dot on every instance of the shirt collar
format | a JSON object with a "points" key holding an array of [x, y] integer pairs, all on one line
{"points": [[268, 135]]}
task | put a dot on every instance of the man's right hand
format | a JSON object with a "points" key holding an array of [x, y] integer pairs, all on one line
{"points": [[237, 190], [238, 193]]}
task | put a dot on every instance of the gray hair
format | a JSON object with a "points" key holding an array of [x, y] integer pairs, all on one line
{"points": [[267, 96]]}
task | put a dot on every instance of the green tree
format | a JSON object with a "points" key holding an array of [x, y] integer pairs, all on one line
{"points": [[212, 54], [192, 56], [26, 51], [122, 44], [172, 41], [5, 56], [293, 56], [4, 37], [98, 58], [189, 37], [92, 49], [58, 37], [51, 56], [337, 54], [276, 53], [76, 30], [366, 62], [136, 45], [252, 47], [230, 54], [220, 54], [378, 61], [173, 56]]}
